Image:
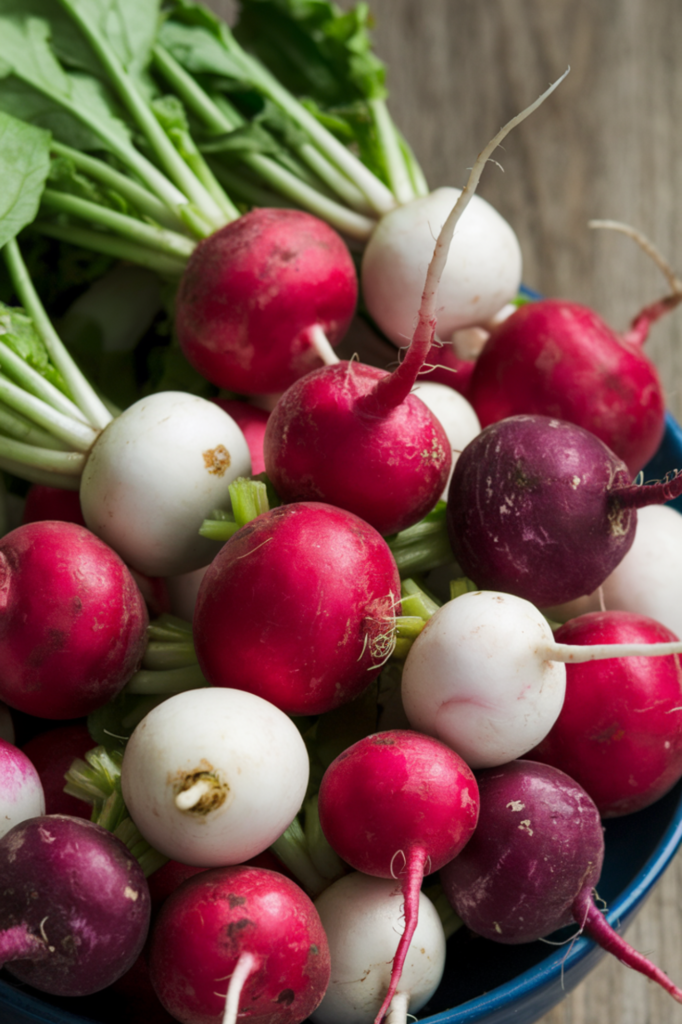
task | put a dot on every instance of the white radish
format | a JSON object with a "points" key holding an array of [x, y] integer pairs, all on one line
{"points": [[482, 274], [212, 777], [648, 581], [155, 473], [361, 916], [21, 791], [456, 415], [486, 676]]}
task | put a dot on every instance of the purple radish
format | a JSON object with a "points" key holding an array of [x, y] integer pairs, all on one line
{"points": [[72, 621], [533, 861], [354, 436], [298, 607], [74, 905], [361, 916], [21, 791], [541, 508], [398, 804], [239, 940]]}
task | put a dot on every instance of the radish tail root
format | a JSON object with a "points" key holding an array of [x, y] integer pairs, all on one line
{"points": [[595, 925], [414, 875], [390, 391], [245, 966]]}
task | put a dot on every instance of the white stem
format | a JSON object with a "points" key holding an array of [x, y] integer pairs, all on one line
{"points": [[189, 798], [397, 1011], [646, 246], [320, 342], [578, 653], [245, 966]]}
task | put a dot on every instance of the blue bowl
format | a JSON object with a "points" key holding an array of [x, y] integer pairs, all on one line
{"points": [[483, 981]]}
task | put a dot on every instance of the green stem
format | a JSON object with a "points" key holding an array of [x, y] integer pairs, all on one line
{"points": [[168, 156], [83, 394], [161, 655], [30, 380], [98, 241], [292, 850], [36, 474], [138, 231], [77, 435], [27, 457], [398, 172], [173, 680], [17, 427]]}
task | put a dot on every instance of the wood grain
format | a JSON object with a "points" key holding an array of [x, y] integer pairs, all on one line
{"points": [[607, 144]]}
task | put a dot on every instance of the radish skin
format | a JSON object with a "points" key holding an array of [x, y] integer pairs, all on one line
{"points": [[21, 791]]}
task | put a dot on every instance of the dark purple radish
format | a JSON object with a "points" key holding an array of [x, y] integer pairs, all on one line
{"points": [[542, 509], [299, 608], [398, 804], [532, 864], [261, 297], [74, 905], [354, 436], [619, 732], [239, 941]]}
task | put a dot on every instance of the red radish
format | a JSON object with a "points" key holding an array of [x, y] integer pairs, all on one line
{"points": [[252, 422], [541, 508], [444, 366], [21, 792], [257, 294], [361, 916], [52, 754], [74, 905], [533, 862], [398, 803], [72, 621], [298, 607], [619, 732], [241, 941], [353, 435], [44, 502], [557, 358]]}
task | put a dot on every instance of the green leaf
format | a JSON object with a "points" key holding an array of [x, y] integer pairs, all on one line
{"points": [[18, 333], [128, 25], [24, 165]]}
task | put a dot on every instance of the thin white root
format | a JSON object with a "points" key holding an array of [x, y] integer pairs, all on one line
{"points": [[189, 798], [243, 968], [646, 245]]}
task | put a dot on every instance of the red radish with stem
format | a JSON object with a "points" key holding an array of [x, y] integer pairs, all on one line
{"points": [[531, 866], [486, 676], [557, 358], [72, 621], [619, 732], [354, 436], [541, 508], [239, 940], [299, 608], [398, 803], [74, 905], [261, 297]]}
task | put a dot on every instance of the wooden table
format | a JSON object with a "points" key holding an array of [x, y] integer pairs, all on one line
{"points": [[606, 145]]}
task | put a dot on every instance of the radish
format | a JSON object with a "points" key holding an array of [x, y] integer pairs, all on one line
{"points": [[533, 861], [648, 581], [45, 502], [619, 732], [361, 916], [259, 297], [486, 676], [213, 776], [298, 607], [74, 905], [146, 503], [541, 508], [21, 791], [353, 435], [239, 942], [557, 358], [252, 422], [52, 754], [72, 621], [456, 415], [398, 803]]}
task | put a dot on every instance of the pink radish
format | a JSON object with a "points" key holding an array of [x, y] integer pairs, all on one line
{"points": [[541, 508], [298, 607], [361, 916], [73, 622], [74, 905], [21, 791], [257, 296], [559, 359], [398, 803], [533, 861], [619, 732], [354, 436], [239, 941]]}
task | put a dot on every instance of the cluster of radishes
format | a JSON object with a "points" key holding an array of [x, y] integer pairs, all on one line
{"points": [[297, 614]]}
